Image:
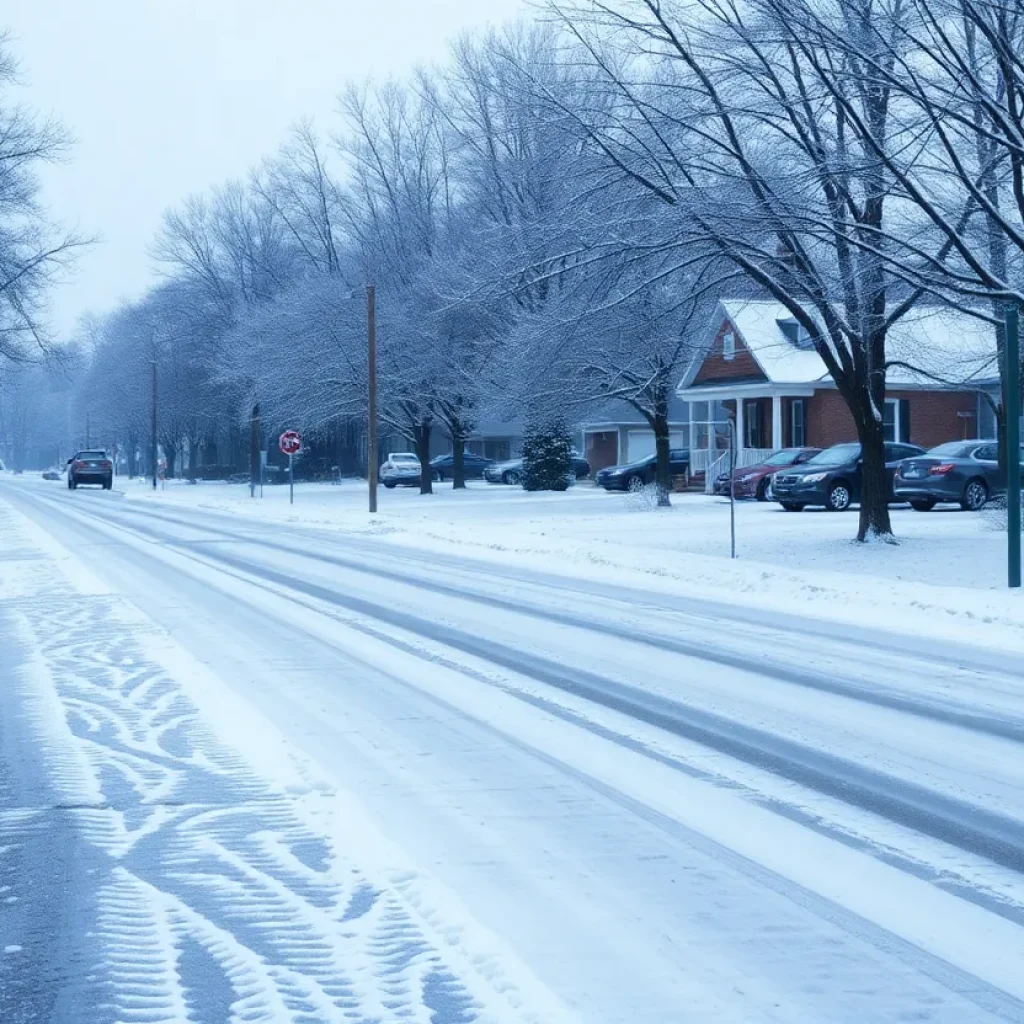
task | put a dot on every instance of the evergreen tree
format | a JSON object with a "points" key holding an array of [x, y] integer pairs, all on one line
{"points": [[547, 456]]}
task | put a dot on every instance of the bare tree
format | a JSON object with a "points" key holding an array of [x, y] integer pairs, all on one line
{"points": [[32, 251], [713, 110]]}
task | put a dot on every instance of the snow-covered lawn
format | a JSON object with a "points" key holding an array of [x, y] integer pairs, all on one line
{"points": [[947, 573]]}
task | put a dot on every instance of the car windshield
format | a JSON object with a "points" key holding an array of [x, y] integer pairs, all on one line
{"points": [[404, 457], [90, 456], [783, 458], [835, 456]]}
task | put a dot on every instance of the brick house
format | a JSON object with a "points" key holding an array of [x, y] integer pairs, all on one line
{"points": [[757, 364]]}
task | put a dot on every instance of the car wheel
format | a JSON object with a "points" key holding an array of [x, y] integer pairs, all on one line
{"points": [[839, 498], [635, 484], [437, 477], [792, 506], [71, 483], [975, 496], [389, 486], [922, 506], [513, 477], [764, 489]]}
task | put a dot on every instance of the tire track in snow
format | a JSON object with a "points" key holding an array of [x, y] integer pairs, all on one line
{"points": [[966, 826], [201, 866]]}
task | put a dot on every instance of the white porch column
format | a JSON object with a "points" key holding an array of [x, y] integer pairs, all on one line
{"points": [[740, 435], [776, 421]]}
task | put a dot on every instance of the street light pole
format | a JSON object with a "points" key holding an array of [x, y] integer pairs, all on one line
{"points": [[1011, 406], [152, 440], [371, 367]]}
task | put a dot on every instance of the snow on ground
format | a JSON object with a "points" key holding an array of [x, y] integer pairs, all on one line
{"points": [[946, 576], [172, 857], [803, 828]]}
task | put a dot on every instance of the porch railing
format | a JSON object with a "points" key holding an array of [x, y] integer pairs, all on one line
{"points": [[713, 462]]}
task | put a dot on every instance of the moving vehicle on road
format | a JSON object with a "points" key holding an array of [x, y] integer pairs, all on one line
{"points": [[832, 478], [400, 468], [511, 471], [966, 473], [634, 476], [90, 466], [474, 466], [756, 481]]}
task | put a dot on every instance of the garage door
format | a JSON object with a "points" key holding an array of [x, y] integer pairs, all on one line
{"points": [[640, 443]]}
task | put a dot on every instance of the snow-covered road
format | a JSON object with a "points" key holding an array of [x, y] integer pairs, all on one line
{"points": [[317, 777]]}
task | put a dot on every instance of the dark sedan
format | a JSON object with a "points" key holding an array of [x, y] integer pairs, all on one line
{"points": [[90, 467], [511, 471], [474, 466], [634, 476], [966, 473], [832, 478], [756, 481]]}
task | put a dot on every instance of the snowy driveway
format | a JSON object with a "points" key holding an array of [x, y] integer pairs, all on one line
{"points": [[315, 777]]}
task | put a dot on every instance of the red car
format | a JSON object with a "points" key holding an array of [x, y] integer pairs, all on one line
{"points": [[756, 481]]}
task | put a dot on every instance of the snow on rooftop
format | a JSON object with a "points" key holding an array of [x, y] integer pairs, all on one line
{"points": [[951, 346]]}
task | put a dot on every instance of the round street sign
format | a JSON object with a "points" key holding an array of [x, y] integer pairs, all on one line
{"points": [[291, 442]]}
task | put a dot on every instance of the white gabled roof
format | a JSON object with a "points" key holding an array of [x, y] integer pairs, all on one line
{"points": [[957, 348], [757, 323]]}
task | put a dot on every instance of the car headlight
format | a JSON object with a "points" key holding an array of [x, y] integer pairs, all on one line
{"points": [[813, 478]]}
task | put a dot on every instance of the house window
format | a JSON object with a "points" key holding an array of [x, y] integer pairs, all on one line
{"points": [[896, 420], [709, 425], [795, 333], [797, 423], [728, 346]]}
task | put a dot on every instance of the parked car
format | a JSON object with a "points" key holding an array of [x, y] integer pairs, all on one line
{"points": [[91, 466], [961, 472], [832, 477], [756, 481], [511, 471], [51, 474], [634, 476], [400, 468], [443, 466]]}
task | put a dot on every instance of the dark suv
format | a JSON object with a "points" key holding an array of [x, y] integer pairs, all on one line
{"points": [[90, 467], [832, 478]]}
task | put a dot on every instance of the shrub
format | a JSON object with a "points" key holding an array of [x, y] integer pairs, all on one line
{"points": [[547, 456]]}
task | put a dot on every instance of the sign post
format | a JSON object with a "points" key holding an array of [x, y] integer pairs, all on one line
{"points": [[732, 486], [290, 443]]}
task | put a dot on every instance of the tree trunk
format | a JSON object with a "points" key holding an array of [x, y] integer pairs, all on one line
{"points": [[663, 482], [422, 439], [874, 486], [133, 456], [171, 454], [458, 462]]}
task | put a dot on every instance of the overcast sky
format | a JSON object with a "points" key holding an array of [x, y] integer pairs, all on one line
{"points": [[169, 97]]}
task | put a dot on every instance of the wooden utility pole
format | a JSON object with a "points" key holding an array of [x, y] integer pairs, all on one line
{"points": [[153, 437], [371, 368]]}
